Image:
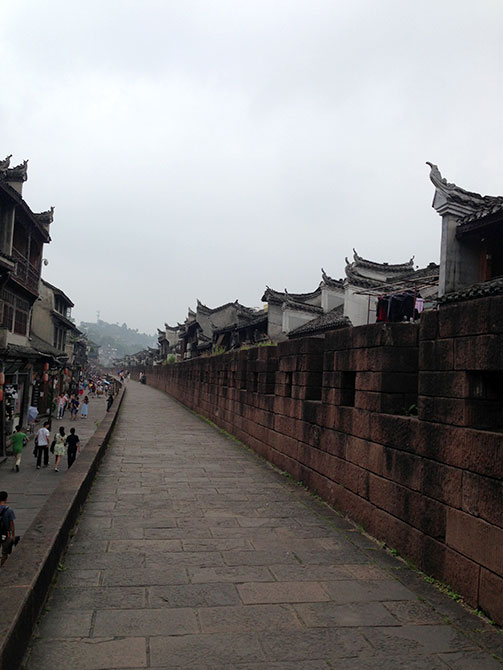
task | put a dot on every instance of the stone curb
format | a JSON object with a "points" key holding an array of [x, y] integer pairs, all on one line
{"points": [[27, 576]]}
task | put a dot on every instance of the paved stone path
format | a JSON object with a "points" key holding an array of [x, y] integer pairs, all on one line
{"points": [[193, 553], [29, 488]]}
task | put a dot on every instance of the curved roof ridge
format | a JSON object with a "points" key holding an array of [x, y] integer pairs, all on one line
{"points": [[281, 296], [359, 261], [454, 193]]}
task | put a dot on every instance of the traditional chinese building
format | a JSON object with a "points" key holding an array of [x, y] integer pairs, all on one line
{"points": [[54, 333], [471, 249], [23, 234]]}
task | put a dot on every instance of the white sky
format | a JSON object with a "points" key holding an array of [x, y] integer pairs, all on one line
{"points": [[206, 148]]}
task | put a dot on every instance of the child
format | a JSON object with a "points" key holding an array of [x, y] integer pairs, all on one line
{"points": [[19, 439]]}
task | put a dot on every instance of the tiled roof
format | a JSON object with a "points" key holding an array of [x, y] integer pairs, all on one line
{"points": [[359, 261], [329, 281], [482, 213], [480, 290], [356, 279], [330, 321], [289, 303], [270, 295]]}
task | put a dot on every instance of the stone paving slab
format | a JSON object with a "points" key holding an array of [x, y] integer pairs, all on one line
{"points": [[193, 553]]}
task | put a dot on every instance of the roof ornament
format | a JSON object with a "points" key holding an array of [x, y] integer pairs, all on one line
{"points": [[46, 217], [5, 163], [355, 255], [324, 275], [455, 193], [18, 173]]}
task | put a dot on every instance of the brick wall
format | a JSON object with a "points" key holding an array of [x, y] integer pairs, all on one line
{"points": [[396, 425]]}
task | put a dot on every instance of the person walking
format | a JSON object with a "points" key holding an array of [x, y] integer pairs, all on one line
{"points": [[85, 407], [8, 533], [73, 444], [59, 447], [19, 440], [110, 400], [61, 405], [42, 438], [74, 407]]}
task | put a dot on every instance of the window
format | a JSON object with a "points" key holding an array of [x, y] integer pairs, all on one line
{"points": [[348, 383]]}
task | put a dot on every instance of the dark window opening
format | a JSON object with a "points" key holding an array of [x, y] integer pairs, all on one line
{"points": [[288, 384], [486, 399], [348, 384]]}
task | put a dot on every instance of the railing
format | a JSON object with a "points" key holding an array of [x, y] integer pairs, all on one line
{"points": [[25, 273]]}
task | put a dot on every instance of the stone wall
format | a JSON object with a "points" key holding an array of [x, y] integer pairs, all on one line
{"points": [[395, 425]]}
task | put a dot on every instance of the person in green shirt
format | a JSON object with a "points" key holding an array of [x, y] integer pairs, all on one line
{"points": [[19, 439]]}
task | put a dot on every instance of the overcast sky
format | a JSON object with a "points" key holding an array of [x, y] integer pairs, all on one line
{"points": [[206, 148]]}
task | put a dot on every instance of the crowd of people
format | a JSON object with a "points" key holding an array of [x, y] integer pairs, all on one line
{"points": [[73, 404]]}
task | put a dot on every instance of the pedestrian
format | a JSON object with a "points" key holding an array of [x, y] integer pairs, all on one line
{"points": [[61, 405], [32, 417], [74, 407], [19, 440], [110, 400], [73, 444], [67, 400], [85, 408], [59, 447], [8, 530], [42, 438]]}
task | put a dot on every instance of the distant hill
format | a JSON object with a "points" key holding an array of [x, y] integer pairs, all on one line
{"points": [[125, 340]]}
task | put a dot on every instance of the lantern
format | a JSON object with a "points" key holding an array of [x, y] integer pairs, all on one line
{"points": [[46, 367], [2, 379], [1, 395], [65, 371], [45, 377]]}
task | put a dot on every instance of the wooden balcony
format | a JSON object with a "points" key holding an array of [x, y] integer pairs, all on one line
{"points": [[25, 273]]}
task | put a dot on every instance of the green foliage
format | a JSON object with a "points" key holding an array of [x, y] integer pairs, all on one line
{"points": [[122, 338], [218, 350], [171, 359]]}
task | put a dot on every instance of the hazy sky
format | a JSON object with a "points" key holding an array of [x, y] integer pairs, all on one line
{"points": [[204, 149]]}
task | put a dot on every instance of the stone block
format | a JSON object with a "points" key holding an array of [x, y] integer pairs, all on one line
{"points": [[397, 534], [446, 383], [403, 468], [337, 340], [342, 360], [436, 354], [483, 497], [428, 326], [460, 573], [482, 352], [451, 411], [310, 363], [393, 359], [482, 452], [334, 442], [328, 361], [491, 594], [359, 360], [464, 319], [409, 506], [281, 592], [364, 453], [475, 539], [442, 483], [394, 431], [368, 401]]}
